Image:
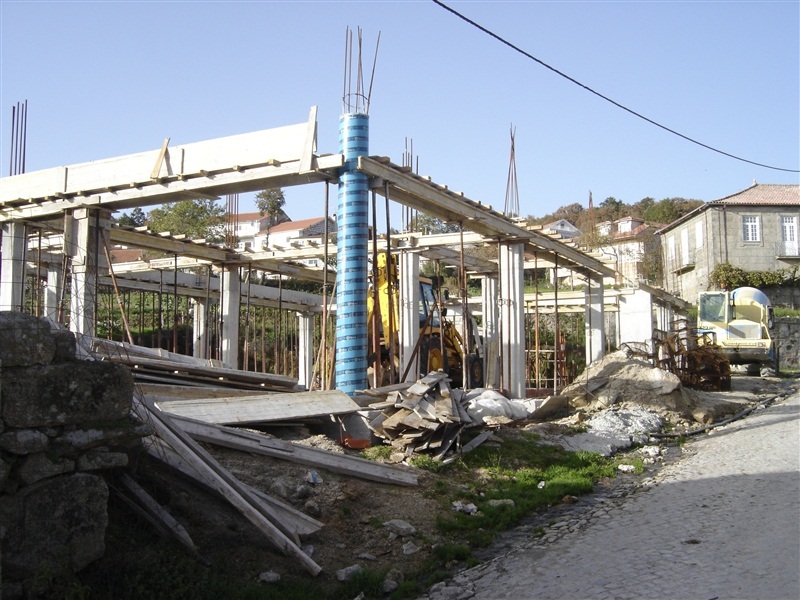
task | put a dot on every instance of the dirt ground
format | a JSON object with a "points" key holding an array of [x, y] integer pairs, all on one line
{"points": [[353, 511]]}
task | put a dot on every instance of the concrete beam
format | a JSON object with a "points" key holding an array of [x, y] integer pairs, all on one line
{"points": [[279, 157]]}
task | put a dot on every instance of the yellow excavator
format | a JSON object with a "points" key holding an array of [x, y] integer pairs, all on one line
{"points": [[440, 346]]}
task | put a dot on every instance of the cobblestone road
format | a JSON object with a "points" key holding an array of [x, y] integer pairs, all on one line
{"points": [[722, 522]]}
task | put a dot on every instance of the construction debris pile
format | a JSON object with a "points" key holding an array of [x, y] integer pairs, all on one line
{"points": [[429, 416]]}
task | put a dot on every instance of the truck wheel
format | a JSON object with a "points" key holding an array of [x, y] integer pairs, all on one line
{"points": [[475, 370], [430, 356]]}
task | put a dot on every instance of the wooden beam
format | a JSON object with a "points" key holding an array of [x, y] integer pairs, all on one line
{"points": [[249, 441], [262, 408], [295, 522], [235, 493]]}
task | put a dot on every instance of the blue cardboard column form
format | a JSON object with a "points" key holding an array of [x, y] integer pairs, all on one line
{"points": [[352, 224]]}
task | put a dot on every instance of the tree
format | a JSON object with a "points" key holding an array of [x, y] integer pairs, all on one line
{"points": [[270, 202], [192, 218], [136, 218], [669, 210], [427, 225], [611, 209]]}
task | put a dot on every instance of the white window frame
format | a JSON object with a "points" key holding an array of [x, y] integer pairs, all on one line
{"points": [[685, 250], [751, 229], [789, 223], [699, 238]]}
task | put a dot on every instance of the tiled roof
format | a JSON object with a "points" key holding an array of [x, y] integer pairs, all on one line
{"points": [[295, 225], [758, 194], [764, 194], [120, 255], [249, 216]]}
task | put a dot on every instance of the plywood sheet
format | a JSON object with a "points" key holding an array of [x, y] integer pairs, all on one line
{"points": [[261, 408]]}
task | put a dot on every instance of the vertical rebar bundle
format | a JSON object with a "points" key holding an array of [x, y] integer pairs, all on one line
{"points": [[512, 189], [19, 138]]}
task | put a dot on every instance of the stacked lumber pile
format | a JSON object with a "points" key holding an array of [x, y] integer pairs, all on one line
{"points": [[425, 416], [156, 365]]}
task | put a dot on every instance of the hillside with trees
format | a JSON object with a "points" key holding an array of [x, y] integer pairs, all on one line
{"points": [[648, 209]]}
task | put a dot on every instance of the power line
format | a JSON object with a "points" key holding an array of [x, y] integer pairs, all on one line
{"points": [[606, 98]]}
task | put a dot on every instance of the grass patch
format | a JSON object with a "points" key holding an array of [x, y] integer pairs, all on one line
{"points": [[530, 474], [377, 452], [446, 553]]}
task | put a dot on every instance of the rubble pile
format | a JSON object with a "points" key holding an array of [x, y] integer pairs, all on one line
{"points": [[428, 415], [622, 380]]}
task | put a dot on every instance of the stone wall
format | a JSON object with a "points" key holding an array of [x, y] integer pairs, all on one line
{"points": [[65, 425], [787, 334]]}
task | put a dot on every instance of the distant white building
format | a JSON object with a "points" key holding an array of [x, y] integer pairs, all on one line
{"points": [[248, 225], [564, 228], [290, 234], [626, 241]]}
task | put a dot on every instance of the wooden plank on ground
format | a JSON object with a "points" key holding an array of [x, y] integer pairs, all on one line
{"points": [[443, 405], [235, 493], [257, 443], [261, 408], [156, 514], [396, 419], [427, 383], [298, 523], [168, 391]]}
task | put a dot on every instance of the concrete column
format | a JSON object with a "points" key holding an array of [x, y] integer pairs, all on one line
{"points": [[12, 268], [636, 322], [199, 329], [87, 260], [512, 318], [305, 363], [52, 292], [409, 310], [491, 331], [231, 300], [595, 319]]}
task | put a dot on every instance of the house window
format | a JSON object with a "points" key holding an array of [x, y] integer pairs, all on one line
{"points": [[789, 236], [698, 234], [685, 254], [751, 229]]}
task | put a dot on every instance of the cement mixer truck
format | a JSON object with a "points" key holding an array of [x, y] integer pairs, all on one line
{"points": [[739, 323]]}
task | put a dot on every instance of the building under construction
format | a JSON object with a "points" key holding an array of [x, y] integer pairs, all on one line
{"points": [[235, 308]]}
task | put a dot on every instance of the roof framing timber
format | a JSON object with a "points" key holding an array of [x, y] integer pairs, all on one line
{"points": [[270, 158], [439, 201]]}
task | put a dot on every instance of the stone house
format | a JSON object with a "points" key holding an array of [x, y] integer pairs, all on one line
{"points": [[755, 229]]}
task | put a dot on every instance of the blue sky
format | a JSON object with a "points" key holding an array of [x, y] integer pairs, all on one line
{"points": [[104, 79]]}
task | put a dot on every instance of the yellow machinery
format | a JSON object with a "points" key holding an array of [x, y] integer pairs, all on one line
{"points": [[440, 345], [739, 322]]}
